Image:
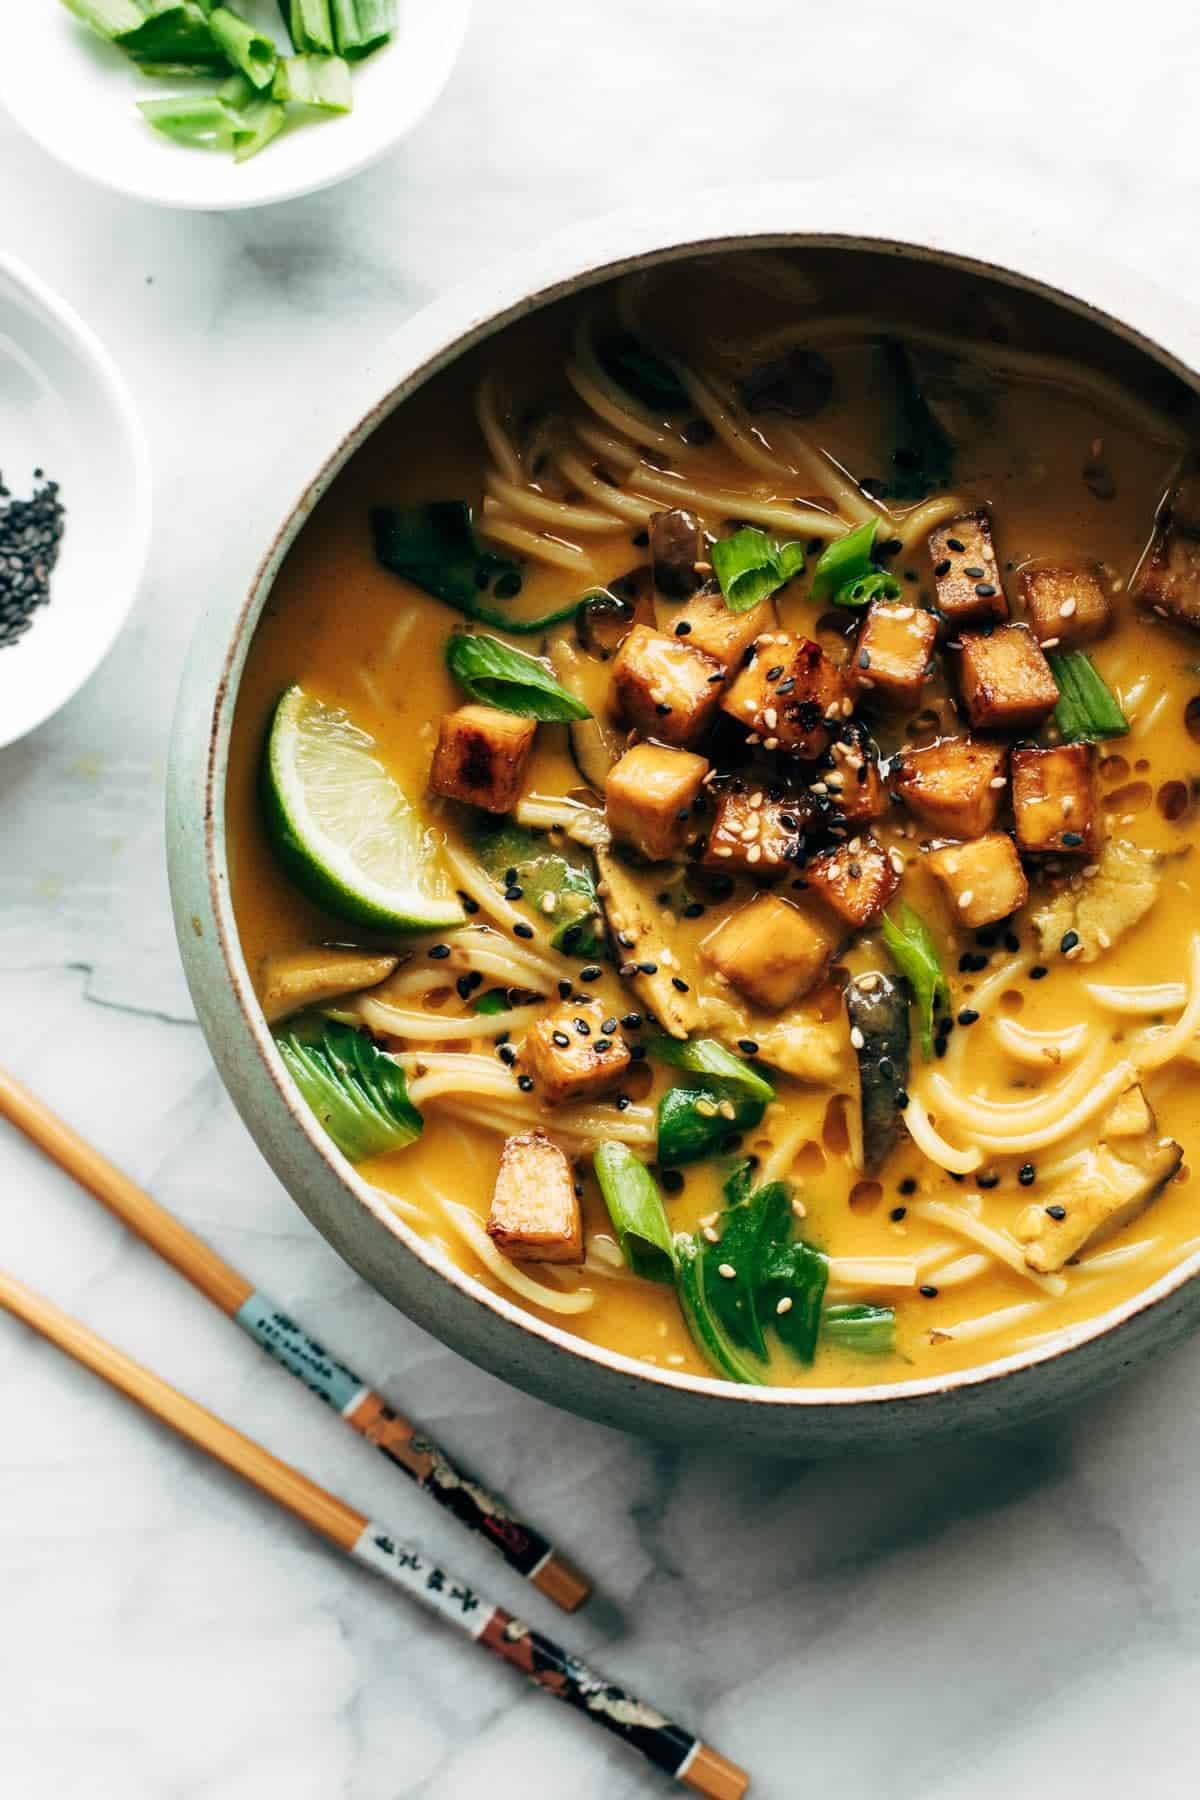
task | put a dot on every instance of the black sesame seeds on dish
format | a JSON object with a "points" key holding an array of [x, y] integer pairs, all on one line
{"points": [[30, 535]]}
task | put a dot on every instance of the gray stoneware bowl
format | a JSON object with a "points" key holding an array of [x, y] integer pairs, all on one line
{"points": [[484, 1326]]}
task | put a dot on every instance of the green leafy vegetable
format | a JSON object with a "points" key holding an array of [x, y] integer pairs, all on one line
{"points": [[361, 26], [356, 1091], [636, 1210], [247, 49], [912, 948], [1087, 709], [321, 81], [110, 18], [750, 566], [258, 123], [844, 563], [796, 1274], [923, 452], [753, 1231], [705, 1056], [869, 1330], [199, 119], [636, 368], [695, 1281], [435, 547], [179, 34], [311, 27], [498, 675], [695, 1122], [540, 871]]}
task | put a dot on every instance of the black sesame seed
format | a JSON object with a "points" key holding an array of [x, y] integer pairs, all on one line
{"points": [[514, 893], [989, 1179], [955, 545], [774, 673], [662, 709], [510, 875], [973, 574], [648, 968], [564, 989], [942, 568], [468, 905], [637, 1052], [632, 1021], [608, 1027], [928, 1291], [523, 931], [440, 952], [748, 1046], [693, 910], [1057, 1212], [507, 1054], [593, 972], [672, 1181], [1038, 972], [1011, 941], [640, 539], [464, 985], [1072, 839], [603, 1044], [525, 1083], [680, 985], [909, 1185], [901, 1099], [683, 628], [898, 1213], [1027, 1175], [583, 1028], [560, 1038], [984, 589], [967, 1016], [1068, 941], [622, 1102]]}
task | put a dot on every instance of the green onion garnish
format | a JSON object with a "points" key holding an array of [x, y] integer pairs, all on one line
{"points": [[311, 27], [322, 81], [750, 566], [200, 119], [258, 124], [1087, 709], [636, 1210], [361, 26], [912, 948], [111, 18], [845, 562], [247, 49]]}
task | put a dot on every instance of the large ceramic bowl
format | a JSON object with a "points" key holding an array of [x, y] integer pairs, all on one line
{"points": [[483, 1325]]}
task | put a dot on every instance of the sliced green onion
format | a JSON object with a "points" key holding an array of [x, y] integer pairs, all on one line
{"points": [[361, 26], [912, 948], [247, 49], [238, 92], [174, 33], [636, 1210], [691, 1124], [695, 1277], [869, 1330], [311, 27], [497, 675], [110, 18], [846, 560], [705, 1056], [1087, 709], [259, 124], [200, 120], [749, 566], [316, 80], [861, 590], [356, 1091]]}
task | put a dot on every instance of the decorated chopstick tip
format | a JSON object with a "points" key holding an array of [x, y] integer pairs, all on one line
{"points": [[708, 1772], [561, 1582]]}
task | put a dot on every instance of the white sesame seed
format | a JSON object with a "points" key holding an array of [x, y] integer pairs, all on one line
{"points": [[713, 1237], [726, 1270], [724, 850], [1067, 608], [753, 853], [847, 708], [1102, 938], [770, 718], [896, 860], [799, 1209], [868, 982], [756, 799], [856, 1038], [997, 781], [752, 737], [784, 1305], [706, 1109], [549, 902], [820, 787], [771, 743], [1051, 643], [727, 1110], [965, 899], [854, 845]]}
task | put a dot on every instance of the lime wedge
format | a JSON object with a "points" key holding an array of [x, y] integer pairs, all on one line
{"points": [[344, 830]]}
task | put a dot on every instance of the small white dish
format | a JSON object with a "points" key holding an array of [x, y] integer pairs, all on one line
{"points": [[77, 95], [66, 410]]}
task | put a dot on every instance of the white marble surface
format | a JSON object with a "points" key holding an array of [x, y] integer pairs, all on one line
{"points": [[982, 1621]]}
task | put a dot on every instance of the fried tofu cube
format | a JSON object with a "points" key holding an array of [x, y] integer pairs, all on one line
{"points": [[1103, 1194], [569, 1056], [857, 880], [855, 786], [1168, 582], [983, 880], [1005, 681], [754, 835], [1055, 802], [955, 785], [1065, 608], [772, 951], [893, 656], [665, 687], [648, 798], [708, 624], [965, 571], [536, 1215], [481, 757], [790, 694]]}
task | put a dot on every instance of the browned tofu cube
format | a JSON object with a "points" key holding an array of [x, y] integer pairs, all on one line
{"points": [[1066, 608], [893, 657], [1168, 582], [707, 623], [1055, 802], [1005, 681], [854, 785], [676, 546], [965, 571], [772, 951], [648, 798], [481, 757], [569, 1056], [857, 880], [790, 695], [754, 835], [983, 881], [955, 785], [536, 1216], [665, 687]]}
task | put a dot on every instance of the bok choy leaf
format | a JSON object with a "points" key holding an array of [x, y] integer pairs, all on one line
{"points": [[497, 675], [636, 1209], [357, 1092]]}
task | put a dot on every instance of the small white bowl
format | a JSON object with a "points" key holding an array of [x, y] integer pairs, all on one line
{"points": [[65, 409], [76, 96]]}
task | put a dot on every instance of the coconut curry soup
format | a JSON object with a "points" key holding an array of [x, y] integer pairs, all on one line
{"points": [[713, 807]]}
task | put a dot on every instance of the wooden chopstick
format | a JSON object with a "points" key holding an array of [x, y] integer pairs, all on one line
{"points": [[670, 1747], [521, 1546]]}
